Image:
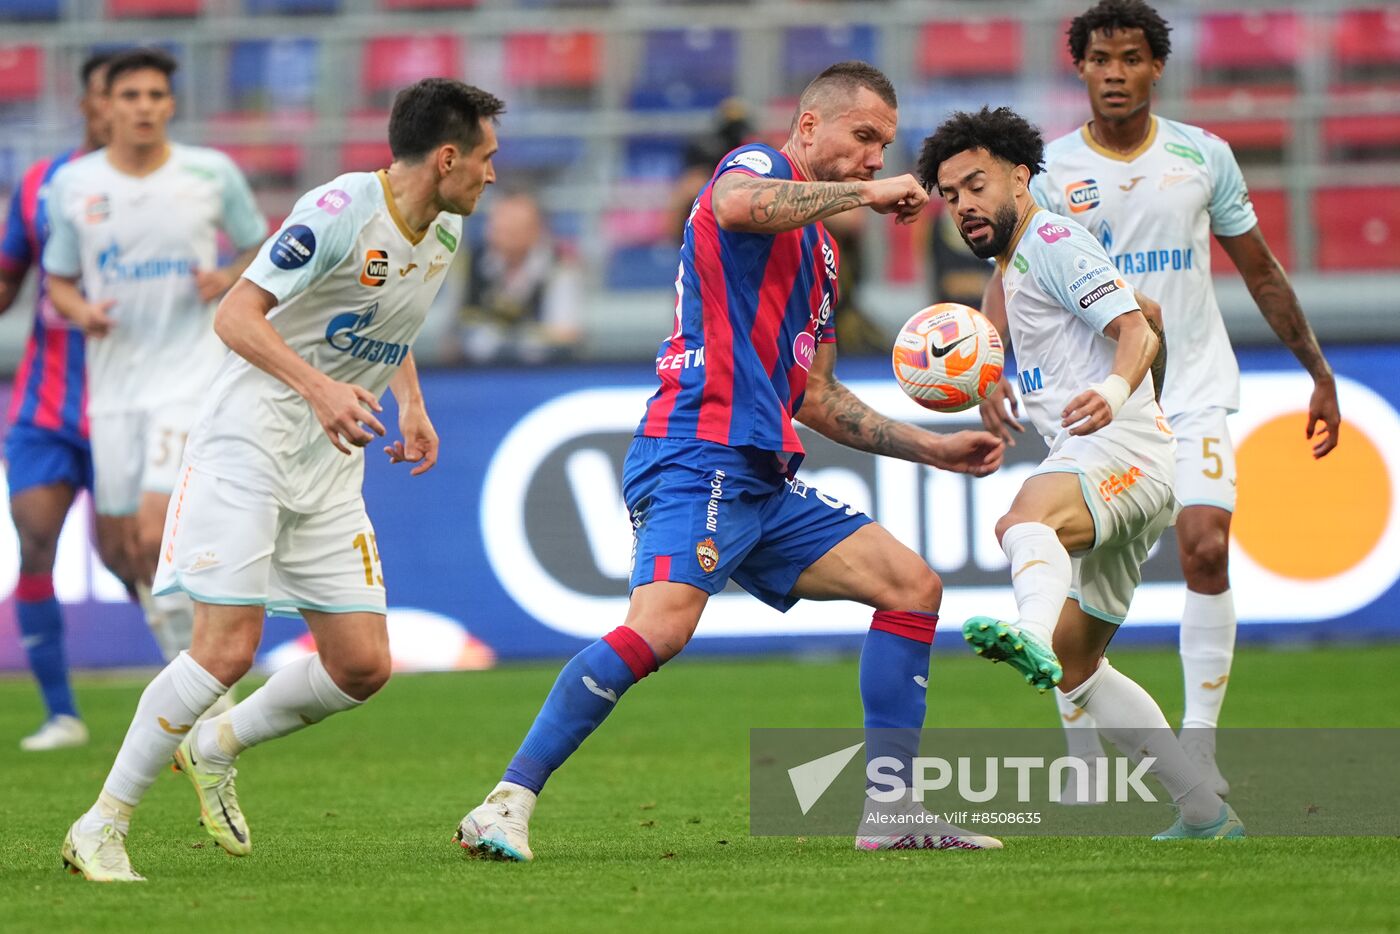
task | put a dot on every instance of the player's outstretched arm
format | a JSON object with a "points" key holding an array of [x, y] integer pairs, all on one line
{"points": [[343, 409], [770, 205], [834, 410], [1000, 410], [1137, 346], [420, 440], [1278, 303]]}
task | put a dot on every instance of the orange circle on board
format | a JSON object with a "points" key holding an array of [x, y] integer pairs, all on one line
{"points": [[1304, 518]]}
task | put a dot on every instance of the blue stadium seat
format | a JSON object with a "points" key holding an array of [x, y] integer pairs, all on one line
{"points": [[536, 153], [290, 7], [30, 10], [653, 157], [685, 68], [807, 50], [273, 74], [648, 266]]}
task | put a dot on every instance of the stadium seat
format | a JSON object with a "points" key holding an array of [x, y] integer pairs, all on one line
{"points": [[267, 150], [807, 50], [392, 62], [30, 10], [1258, 46], [1366, 44], [1364, 135], [641, 245], [653, 157], [552, 60], [1234, 115], [1271, 208], [685, 68], [152, 9], [290, 7], [365, 156], [1357, 228], [970, 48], [428, 4], [21, 73], [273, 74]]}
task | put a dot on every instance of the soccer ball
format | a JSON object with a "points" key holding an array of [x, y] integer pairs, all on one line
{"points": [[948, 357]]}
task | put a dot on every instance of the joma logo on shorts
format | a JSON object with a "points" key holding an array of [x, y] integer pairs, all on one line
{"points": [[1118, 482]]}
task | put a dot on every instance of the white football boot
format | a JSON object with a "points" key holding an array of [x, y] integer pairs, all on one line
{"points": [[58, 732], [499, 828], [905, 825], [99, 854]]}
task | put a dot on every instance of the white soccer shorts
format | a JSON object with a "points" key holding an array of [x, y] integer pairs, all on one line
{"points": [[1205, 459], [1131, 511], [225, 544], [138, 452]]}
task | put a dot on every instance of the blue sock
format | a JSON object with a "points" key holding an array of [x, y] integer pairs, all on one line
{"points": [[894, 685], [41, 634], [583, 695]]}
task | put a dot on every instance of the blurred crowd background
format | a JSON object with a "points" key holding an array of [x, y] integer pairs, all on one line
{"points": [[618, 111]]}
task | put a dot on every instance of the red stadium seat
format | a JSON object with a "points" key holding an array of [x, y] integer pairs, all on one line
{"points": [[1256, 41], [1361, 134], [392, 62], [365, 156], [1235, 109], [1367, 39], [970, 47], [428, 4], [1358, 228], [1271, 208], [152, 9], [552, 60], [264, 147], [21, 72]]}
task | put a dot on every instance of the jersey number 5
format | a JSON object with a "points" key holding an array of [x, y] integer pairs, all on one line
{"points": [[1215, 472]]}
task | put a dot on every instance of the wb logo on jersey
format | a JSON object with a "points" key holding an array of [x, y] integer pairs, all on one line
{"points": [[342, 334]]}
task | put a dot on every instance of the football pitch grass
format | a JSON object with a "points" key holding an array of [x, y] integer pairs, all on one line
{"points": [[647, 828]]}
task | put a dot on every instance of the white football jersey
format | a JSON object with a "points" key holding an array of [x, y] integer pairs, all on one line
{"points": [[353, 287], [1154, 211], [138, 242], [1061, 292]]}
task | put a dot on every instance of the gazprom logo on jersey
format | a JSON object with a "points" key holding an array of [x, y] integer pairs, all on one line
{"points": [[1141, 261], [293, 247], [342, 334], [1082, 195], [113, 269]]}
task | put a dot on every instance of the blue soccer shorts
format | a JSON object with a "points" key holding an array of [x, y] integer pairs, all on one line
{"points": [[706, 513], [40, 457]]}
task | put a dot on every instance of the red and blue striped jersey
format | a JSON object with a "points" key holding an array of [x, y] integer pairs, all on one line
{"points": [[50, 390], [750, 311]]}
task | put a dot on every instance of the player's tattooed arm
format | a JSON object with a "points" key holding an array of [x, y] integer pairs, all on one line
{"points": [[1153, 313], [1278, 303], [771, 205], [833, 410]]}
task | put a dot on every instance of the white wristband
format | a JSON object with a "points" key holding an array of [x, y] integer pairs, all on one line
{"points": [[1115, 391]]}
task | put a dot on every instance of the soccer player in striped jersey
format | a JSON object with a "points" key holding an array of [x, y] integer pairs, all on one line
{"points": [[46, 448], [1154, 192], [710, 477]]}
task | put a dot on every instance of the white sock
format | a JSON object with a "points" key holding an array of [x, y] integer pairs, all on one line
{"points": [[1040, 576], [295, 697], [174, 623], [1130, 719], [168, 709], [1081, 730], [1207, 649]]}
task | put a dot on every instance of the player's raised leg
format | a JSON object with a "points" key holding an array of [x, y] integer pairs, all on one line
{"points": [[1048, 519], [1131, 720], [226, 639], [661, 618], [872, 567], [352, 663], [38, 513], [1207, 630]]}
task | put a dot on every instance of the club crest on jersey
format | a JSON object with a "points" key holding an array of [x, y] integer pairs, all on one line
{"points": [[753, 160], [376, 268], [707, 554], [97, 209], [1082, 195], [1052, 232]]}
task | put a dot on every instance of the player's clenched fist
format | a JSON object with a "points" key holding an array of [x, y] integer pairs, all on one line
{"points": [[341, 410], [901, 196]]}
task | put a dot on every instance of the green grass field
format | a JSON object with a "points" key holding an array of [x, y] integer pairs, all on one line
{"points": [[648, 828]]}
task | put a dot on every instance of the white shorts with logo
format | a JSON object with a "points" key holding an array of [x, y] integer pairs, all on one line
{"points": [[138, 452], [226, 544], [1131, 511], [1205, 459]]}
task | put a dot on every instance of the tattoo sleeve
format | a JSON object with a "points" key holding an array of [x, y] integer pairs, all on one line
{"points": [[775, 205], [1159, 362], [1278, 303], [841, 416]]}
